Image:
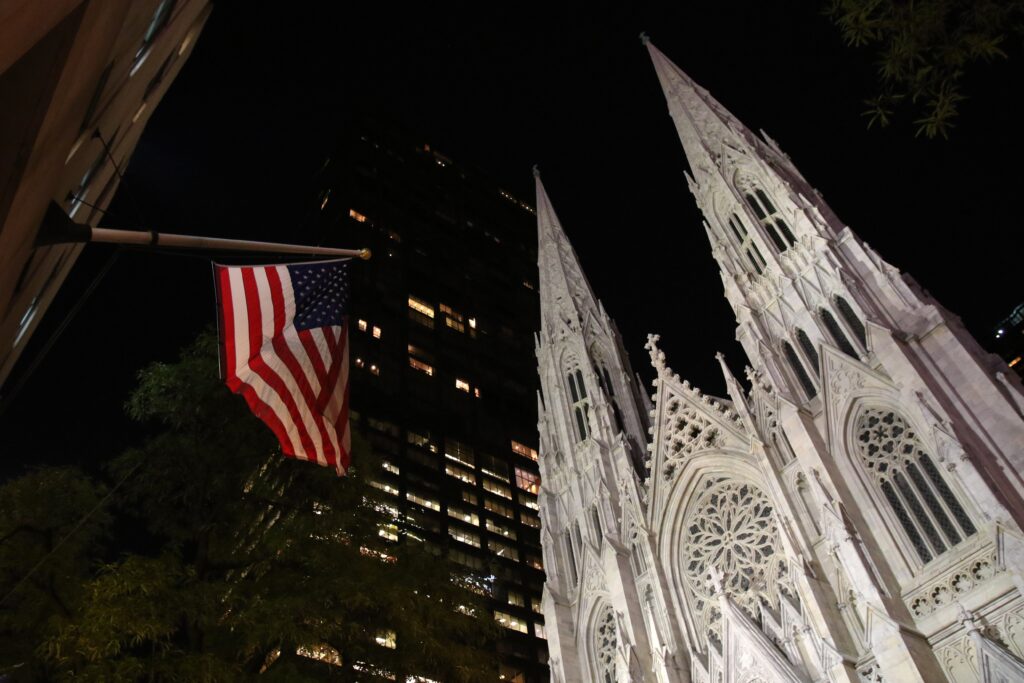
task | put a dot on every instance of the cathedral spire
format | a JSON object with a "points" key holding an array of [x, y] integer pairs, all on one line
{"points": [[702, 123], [565, 294]]}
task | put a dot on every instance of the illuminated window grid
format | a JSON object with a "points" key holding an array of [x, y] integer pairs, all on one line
{"points": [[460, 474], [464, 536], [500, 529], [528, 481], [525, 451], [511, 622], [421, 307], [466, 516], [497, 489], [425, 502], [416, 364]]}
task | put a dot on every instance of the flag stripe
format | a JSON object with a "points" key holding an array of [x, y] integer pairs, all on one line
{"points": [[251, 387], [297, 433], [285, 349], [294, 377]]}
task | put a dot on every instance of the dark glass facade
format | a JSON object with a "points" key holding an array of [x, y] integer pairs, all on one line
{"points": [[444, 380]]}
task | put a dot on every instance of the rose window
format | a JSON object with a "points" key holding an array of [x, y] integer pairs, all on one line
{"points": [[732, 529]]}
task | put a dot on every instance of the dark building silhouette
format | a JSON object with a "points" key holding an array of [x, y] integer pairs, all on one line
{"points": [[444, 381]]}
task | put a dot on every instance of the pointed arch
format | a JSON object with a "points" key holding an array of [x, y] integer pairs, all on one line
{"points": [[604, 643], [838, 336], [764, 209], [797, 367], [852, 319], [885, 445], [578, 397], [809, 351]]}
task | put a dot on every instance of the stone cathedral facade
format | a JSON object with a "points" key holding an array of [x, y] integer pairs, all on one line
{"points": [[856, 515]]}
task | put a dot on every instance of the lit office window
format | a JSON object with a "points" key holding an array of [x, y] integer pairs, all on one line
{"points": [[529, 502], [535, 562], [389, 532], [524, 450], [421, 307], [466, 516], [459, 452], [500, 529], [529, 520], [376, 332], [374, 370], [385, 487], [358, 217], [516, 599], [497, 489], [390, 467], [421, 440], [528, 481], [362, 325], [426, 369], [463, 536], [499, 508], [511, 622], [535, 605], [469, 497], [460, 474], [538, 630], [358, 362], [425, 502], [461, 385], [501, 549]]}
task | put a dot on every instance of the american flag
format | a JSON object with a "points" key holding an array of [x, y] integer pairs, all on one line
{"points": [[284, 342]]}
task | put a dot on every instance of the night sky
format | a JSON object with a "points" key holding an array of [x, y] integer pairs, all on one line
{"points": [[252, 116]]}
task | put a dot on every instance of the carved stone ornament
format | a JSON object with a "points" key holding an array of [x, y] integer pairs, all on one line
{"points": [[686, 431]]}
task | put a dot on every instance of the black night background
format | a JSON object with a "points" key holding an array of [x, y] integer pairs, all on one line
{"points": [[233, 147]]}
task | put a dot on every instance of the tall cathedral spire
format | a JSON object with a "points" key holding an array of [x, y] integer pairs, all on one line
{"points": [[565, 294], [705, 127]]}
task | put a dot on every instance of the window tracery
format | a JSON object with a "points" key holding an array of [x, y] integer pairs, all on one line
{"points": [[838, 336], [580, 403], [927, 509], [746, 245], [776, 227], [606, 642], [731, 528]]}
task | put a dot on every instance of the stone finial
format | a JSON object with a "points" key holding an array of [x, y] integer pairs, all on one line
{"points": [[644, 38], [657, 355], [536, 171]]}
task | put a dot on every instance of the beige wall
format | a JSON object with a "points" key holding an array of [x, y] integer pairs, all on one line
{"points": [[70, 69]]}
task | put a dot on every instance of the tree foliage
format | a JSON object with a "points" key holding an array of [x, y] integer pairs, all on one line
{"points": [[37, 511], [925, 50], [257, 562]]}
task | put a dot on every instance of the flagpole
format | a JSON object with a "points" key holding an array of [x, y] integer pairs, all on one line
{"points": [[57, 228], [163, 239]]}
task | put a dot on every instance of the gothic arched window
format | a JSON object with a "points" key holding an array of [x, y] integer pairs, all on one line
{"points": [[799, 370], [746, 245], [773, 223], [580, 402], [809, 350], [837, 332], [606, 642], [927, 510], [852, 320], [571, 555]]}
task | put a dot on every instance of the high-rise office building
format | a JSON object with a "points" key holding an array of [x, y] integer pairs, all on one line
{"points": [[443, 379]]}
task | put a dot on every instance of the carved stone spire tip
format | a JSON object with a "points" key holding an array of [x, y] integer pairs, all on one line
{"points": [[536, 171], [644, 38]]}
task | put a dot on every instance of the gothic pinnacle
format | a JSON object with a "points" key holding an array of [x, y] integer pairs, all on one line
{"points": [[644, 38]]}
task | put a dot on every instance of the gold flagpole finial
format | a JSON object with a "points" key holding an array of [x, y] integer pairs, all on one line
{"points": [[365, 254]]}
